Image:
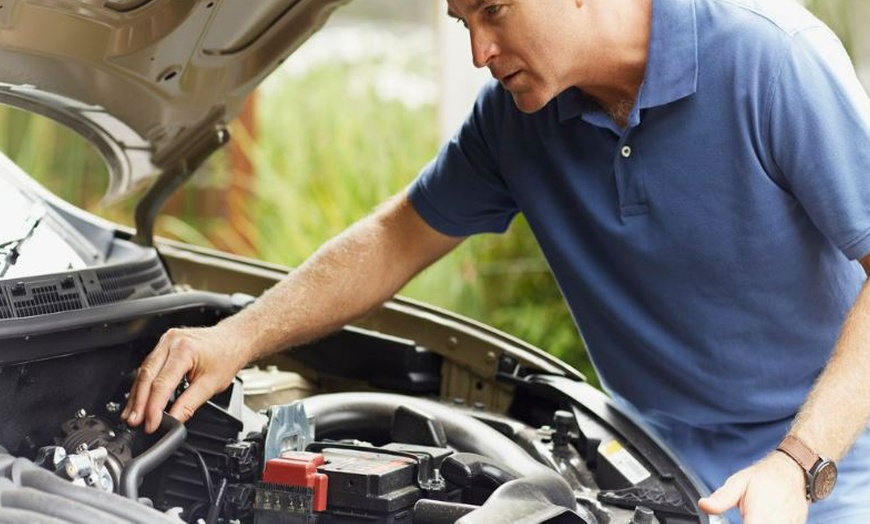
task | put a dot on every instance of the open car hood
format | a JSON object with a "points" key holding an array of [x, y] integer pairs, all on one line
{"points": [[150, 83]]}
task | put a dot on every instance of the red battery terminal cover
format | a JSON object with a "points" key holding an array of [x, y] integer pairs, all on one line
{"points": [[299, 469]]}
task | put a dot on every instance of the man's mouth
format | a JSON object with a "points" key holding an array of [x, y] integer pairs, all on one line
{"points": [[507, 79]]}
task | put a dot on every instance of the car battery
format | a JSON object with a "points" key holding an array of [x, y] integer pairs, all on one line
{"points": [[370, 482], [339, 485]]}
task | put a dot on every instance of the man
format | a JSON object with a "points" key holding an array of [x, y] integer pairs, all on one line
{"points": [[694, 172]]}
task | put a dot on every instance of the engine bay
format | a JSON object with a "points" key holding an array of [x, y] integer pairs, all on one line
{"points": [[366, 435]]}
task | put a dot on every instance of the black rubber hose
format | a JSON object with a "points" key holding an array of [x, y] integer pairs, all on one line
{"points": [[174, 434], [203, 470], [55, 506], [471, 469], [214, 511], [343, 413], [128, 510]]}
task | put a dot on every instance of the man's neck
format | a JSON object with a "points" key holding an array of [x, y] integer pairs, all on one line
{"points": [[624, 52]]}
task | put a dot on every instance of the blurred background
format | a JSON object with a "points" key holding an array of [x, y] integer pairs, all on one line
{"points": [[347, 121]]}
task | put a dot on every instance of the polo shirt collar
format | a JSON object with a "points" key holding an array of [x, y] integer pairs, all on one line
{"points": [[672, 63]]}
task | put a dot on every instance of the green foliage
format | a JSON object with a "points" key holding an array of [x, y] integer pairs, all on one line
{"points": [[326, 155], [324, 158]]}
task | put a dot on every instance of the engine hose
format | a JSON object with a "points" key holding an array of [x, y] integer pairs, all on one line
{"points": [[53, 493], [21, 516], [342, 413], [125, 509], [203, 470], [470, 469], [55, 506], [6, 464], [174, 435], [214, 511]]}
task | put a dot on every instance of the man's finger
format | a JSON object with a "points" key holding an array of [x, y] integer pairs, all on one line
{"points": [[727, 496], [193, 397], [148, 371], [178, 362]]}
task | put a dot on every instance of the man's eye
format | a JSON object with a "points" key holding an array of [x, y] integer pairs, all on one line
{"points": [[492, 10]]}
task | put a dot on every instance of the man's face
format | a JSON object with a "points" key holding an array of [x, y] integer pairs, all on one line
{"points": [[533, 47]]}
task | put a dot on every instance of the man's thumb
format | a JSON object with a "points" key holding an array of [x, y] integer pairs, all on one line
{"points": [[727, 496]]}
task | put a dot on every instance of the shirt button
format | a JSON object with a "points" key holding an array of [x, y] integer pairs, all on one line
{"points": [[626, 151]]}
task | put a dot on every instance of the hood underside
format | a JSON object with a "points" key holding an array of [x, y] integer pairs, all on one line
{"points": [[150, 83]]}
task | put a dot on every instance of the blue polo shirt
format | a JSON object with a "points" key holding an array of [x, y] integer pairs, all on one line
{"points": [[707, 251]]}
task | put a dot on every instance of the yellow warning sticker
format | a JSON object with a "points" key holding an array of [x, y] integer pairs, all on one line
{"points": [[624, 461]]}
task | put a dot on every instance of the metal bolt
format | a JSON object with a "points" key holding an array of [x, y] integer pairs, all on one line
{"points": [[81, 413], [452, 343], [563, 422], [113, 407], [490, 357], [642, 515], [78, 466]]}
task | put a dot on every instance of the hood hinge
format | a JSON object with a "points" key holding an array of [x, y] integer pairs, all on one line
{"points": [[178, 169]]}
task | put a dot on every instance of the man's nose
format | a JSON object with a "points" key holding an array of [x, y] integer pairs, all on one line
{"points": [[483, 47]]}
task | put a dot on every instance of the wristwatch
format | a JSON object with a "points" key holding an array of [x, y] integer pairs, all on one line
{"points": [[821, 473]]}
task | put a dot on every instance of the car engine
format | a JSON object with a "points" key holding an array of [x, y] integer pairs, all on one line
{"points": [[370, 440]]}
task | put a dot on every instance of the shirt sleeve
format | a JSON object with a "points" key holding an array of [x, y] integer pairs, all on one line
{"points": [[461, 192], [819, 127]]}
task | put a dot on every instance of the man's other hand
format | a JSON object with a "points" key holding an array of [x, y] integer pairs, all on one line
{"points": [[208, 357], [771, 491]]}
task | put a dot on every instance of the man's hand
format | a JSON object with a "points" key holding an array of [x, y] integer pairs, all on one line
{"points": [[208, 357], [771, 491]]}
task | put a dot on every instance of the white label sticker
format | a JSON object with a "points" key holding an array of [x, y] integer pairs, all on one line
{"points": [[624, 462]]}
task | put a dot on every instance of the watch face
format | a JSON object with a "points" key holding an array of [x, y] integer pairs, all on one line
{"points": [[823, 480]]}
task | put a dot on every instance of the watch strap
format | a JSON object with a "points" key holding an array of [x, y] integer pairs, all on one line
{"points": [[800, 452]]}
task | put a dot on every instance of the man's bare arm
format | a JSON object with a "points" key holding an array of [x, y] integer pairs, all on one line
{"points": [[835, 413], [348, 276], [838, 408]]}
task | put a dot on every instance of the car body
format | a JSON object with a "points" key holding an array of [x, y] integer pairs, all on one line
{"points": [[412, 414]]}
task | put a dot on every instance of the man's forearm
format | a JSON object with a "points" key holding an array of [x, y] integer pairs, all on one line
{"points": [[347, 277], [838, 407]]}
